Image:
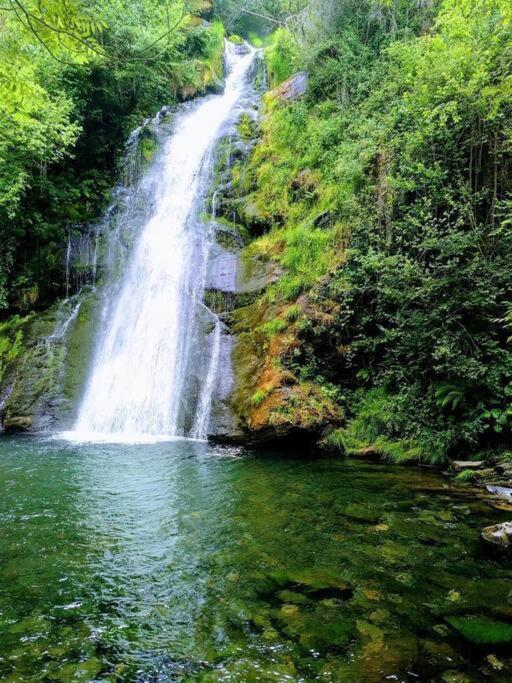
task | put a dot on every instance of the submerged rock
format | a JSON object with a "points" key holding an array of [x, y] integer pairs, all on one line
{"points": [[315, 583], [498, 535], [482, 631], [362, 513]]}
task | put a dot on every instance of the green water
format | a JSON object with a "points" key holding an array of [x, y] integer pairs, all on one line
{"points": [[186, 561]]}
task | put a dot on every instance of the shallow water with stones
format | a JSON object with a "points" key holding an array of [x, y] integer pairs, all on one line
{"points": [[187, 561]]}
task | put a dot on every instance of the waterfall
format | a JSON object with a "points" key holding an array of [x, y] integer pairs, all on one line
{"points": [[157, 355]]}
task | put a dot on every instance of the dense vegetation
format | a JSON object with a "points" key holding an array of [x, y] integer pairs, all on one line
{"points": [[75, 78], [387, 190], [383, 194]]}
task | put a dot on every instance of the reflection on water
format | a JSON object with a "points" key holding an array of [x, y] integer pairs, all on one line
{"points": [[185, 561]]}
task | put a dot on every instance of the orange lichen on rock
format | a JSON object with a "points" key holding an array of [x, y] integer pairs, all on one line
{"points": [[270, 399]]}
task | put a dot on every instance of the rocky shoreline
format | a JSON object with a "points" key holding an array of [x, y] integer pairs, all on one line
{"points": [[491, 482]]}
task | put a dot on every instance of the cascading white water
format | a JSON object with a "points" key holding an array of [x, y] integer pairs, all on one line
{"points": [[146, 353]]}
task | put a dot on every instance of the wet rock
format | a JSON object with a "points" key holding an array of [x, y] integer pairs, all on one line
{"points": [[505, 468], [18, 423], [458, 465], [228, 239], [47, 376], [224, 424], [503, 491], [383, 655], [486, 473], [498, 535], [320, 630], [254, 275], [496, 664], [503, 500], [501, 505], [239, 48], [439, 654], [164, 112]]}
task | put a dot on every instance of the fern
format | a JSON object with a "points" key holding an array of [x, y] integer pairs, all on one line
{"points": [[450, 395], [465, 475]]}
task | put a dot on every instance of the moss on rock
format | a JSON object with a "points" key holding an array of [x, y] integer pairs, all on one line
{"points": [[44, 367]]}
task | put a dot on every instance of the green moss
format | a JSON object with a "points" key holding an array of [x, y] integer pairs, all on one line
{"points": [[293, 313], [236, 39], [258, 397], [204, 72], [148, 148], [213, 57], [281, 56], [275, 326], [79, 350], [11, 340], [246, 127], [482, 631]]}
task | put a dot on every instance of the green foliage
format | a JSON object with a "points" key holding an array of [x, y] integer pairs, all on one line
{"points": [[11, 340], [256, 18], [281, 56], [366, 432], [31, 33], [275, 326], [303, 252], [450, 395], [388, 197], [465, 476], [246, 127], [258, 397], [75, 79], [293, 313]]}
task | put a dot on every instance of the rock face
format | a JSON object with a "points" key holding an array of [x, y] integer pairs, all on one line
{"points": [[499, 535], [40, 387], [292, 89], [232, 281], [267, 401]]}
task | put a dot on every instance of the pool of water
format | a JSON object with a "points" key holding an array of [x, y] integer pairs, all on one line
{"points": [[187, 561]]}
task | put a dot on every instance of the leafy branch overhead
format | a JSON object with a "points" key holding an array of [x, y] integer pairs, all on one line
{"points": [[77, 33]]}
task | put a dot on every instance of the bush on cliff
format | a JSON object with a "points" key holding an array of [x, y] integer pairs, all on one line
{"points": [[395, 172]]}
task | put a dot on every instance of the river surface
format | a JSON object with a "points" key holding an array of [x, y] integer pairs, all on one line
{"points": [[187, 561]]}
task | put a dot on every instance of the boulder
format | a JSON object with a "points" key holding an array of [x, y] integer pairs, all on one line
{"points": [[505, 468], [502, 491], [18, 423], [498, 535], [292, 89], [458, 465], [239, 46]]}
